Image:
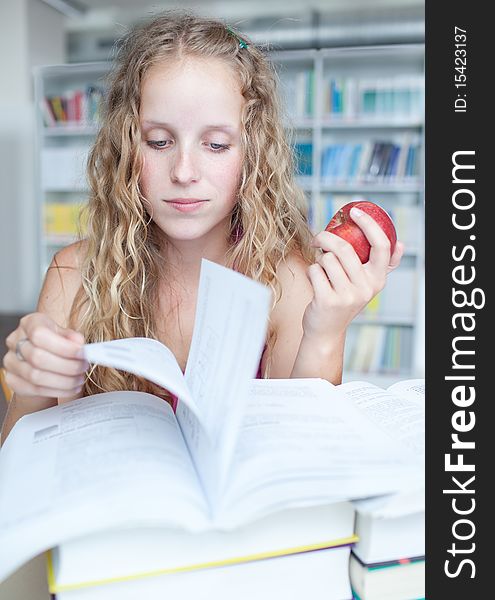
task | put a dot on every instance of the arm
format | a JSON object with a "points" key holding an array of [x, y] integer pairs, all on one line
{"points": [[320, 300], [53, 367], [295, 352]]}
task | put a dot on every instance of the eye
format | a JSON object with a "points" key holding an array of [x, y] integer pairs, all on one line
{"points": [[157, 144], [219, 147]]}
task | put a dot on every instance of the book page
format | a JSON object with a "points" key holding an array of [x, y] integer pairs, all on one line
{"points": [[146, 358], [101, 462], [413, 389], [303, 442], [398, 415], [229, 334], [408, 424], [393, 505]]}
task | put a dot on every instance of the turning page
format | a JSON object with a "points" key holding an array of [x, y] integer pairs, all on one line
{"points": [[229, 334], [146, 358]]}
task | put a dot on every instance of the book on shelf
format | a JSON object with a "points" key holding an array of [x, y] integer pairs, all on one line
{"points": [[298, 91], [303, 152], [62, 219], [377, 348], [236, 449], [359, 98], [371, 162], [80, 106]]}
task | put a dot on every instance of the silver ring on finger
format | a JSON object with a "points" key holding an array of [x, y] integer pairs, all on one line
{"points": [[18, 350]]}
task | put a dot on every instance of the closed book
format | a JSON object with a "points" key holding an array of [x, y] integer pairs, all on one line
{"points": [[306, 575], [143, 553], [402, 579]]}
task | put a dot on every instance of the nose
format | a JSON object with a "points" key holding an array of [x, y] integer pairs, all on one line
{"points": [[184, 167]]}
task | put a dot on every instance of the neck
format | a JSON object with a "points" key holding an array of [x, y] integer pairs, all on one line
{"points": [[183, 257]]}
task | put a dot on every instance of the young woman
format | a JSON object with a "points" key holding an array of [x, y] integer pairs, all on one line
{"points": [[191, 161]]}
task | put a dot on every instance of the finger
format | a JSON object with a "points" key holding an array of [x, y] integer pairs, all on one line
{"points": [[39, 376], [12, 339], [396, 256], [75, 336], [380, 244], [25, 388], [344, 251], [54, 342], [334, 271], [322, 287], [46, 361]]}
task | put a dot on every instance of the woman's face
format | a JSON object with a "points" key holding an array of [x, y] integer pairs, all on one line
{"points": [[190, 120]]}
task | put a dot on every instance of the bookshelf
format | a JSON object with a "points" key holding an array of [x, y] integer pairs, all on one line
{"points": [[68, 99], [356, 117]]}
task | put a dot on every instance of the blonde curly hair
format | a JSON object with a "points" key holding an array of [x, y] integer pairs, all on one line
{"points": [[121, 269]]}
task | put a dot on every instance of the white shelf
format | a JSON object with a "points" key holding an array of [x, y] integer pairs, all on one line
{"points": [[371, 188], [302, 123], [379, 122], [70, 130], [59, 240], [306, 182], [382, 122]]}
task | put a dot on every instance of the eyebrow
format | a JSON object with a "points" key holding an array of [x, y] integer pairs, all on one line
{"points": [[225, 127]]}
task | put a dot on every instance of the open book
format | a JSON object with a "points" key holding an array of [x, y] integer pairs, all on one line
{"points": [[236, 450]]}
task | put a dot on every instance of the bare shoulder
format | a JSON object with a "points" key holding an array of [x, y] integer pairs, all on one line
{"points": [[62, 281], [287, 315], [297, 290]]}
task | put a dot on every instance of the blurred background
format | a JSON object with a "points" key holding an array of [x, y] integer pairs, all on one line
{"points": [[352, 74]]}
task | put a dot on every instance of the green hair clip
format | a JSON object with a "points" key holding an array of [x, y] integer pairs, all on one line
{"points": [[242, 43]]}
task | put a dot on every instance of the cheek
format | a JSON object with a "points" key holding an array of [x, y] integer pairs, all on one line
{"points": [[230, 174], [147, 176]]}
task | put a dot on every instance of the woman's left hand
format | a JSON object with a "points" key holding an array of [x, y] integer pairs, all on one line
{"points": [[342, 284]]}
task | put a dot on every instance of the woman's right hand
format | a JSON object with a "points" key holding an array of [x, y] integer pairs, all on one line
{"points": [[44, 359]]}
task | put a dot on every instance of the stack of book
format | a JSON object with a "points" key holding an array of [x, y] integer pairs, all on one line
{"points": [[388, 563]]}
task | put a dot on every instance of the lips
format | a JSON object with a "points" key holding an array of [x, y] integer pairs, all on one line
{"points": [[185, 200], [186, 205]]}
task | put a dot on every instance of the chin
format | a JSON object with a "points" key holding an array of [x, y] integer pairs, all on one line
{"points": [[186, 232]]}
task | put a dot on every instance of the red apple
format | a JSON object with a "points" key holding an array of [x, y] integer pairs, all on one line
{"points": [[342, 225]]}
